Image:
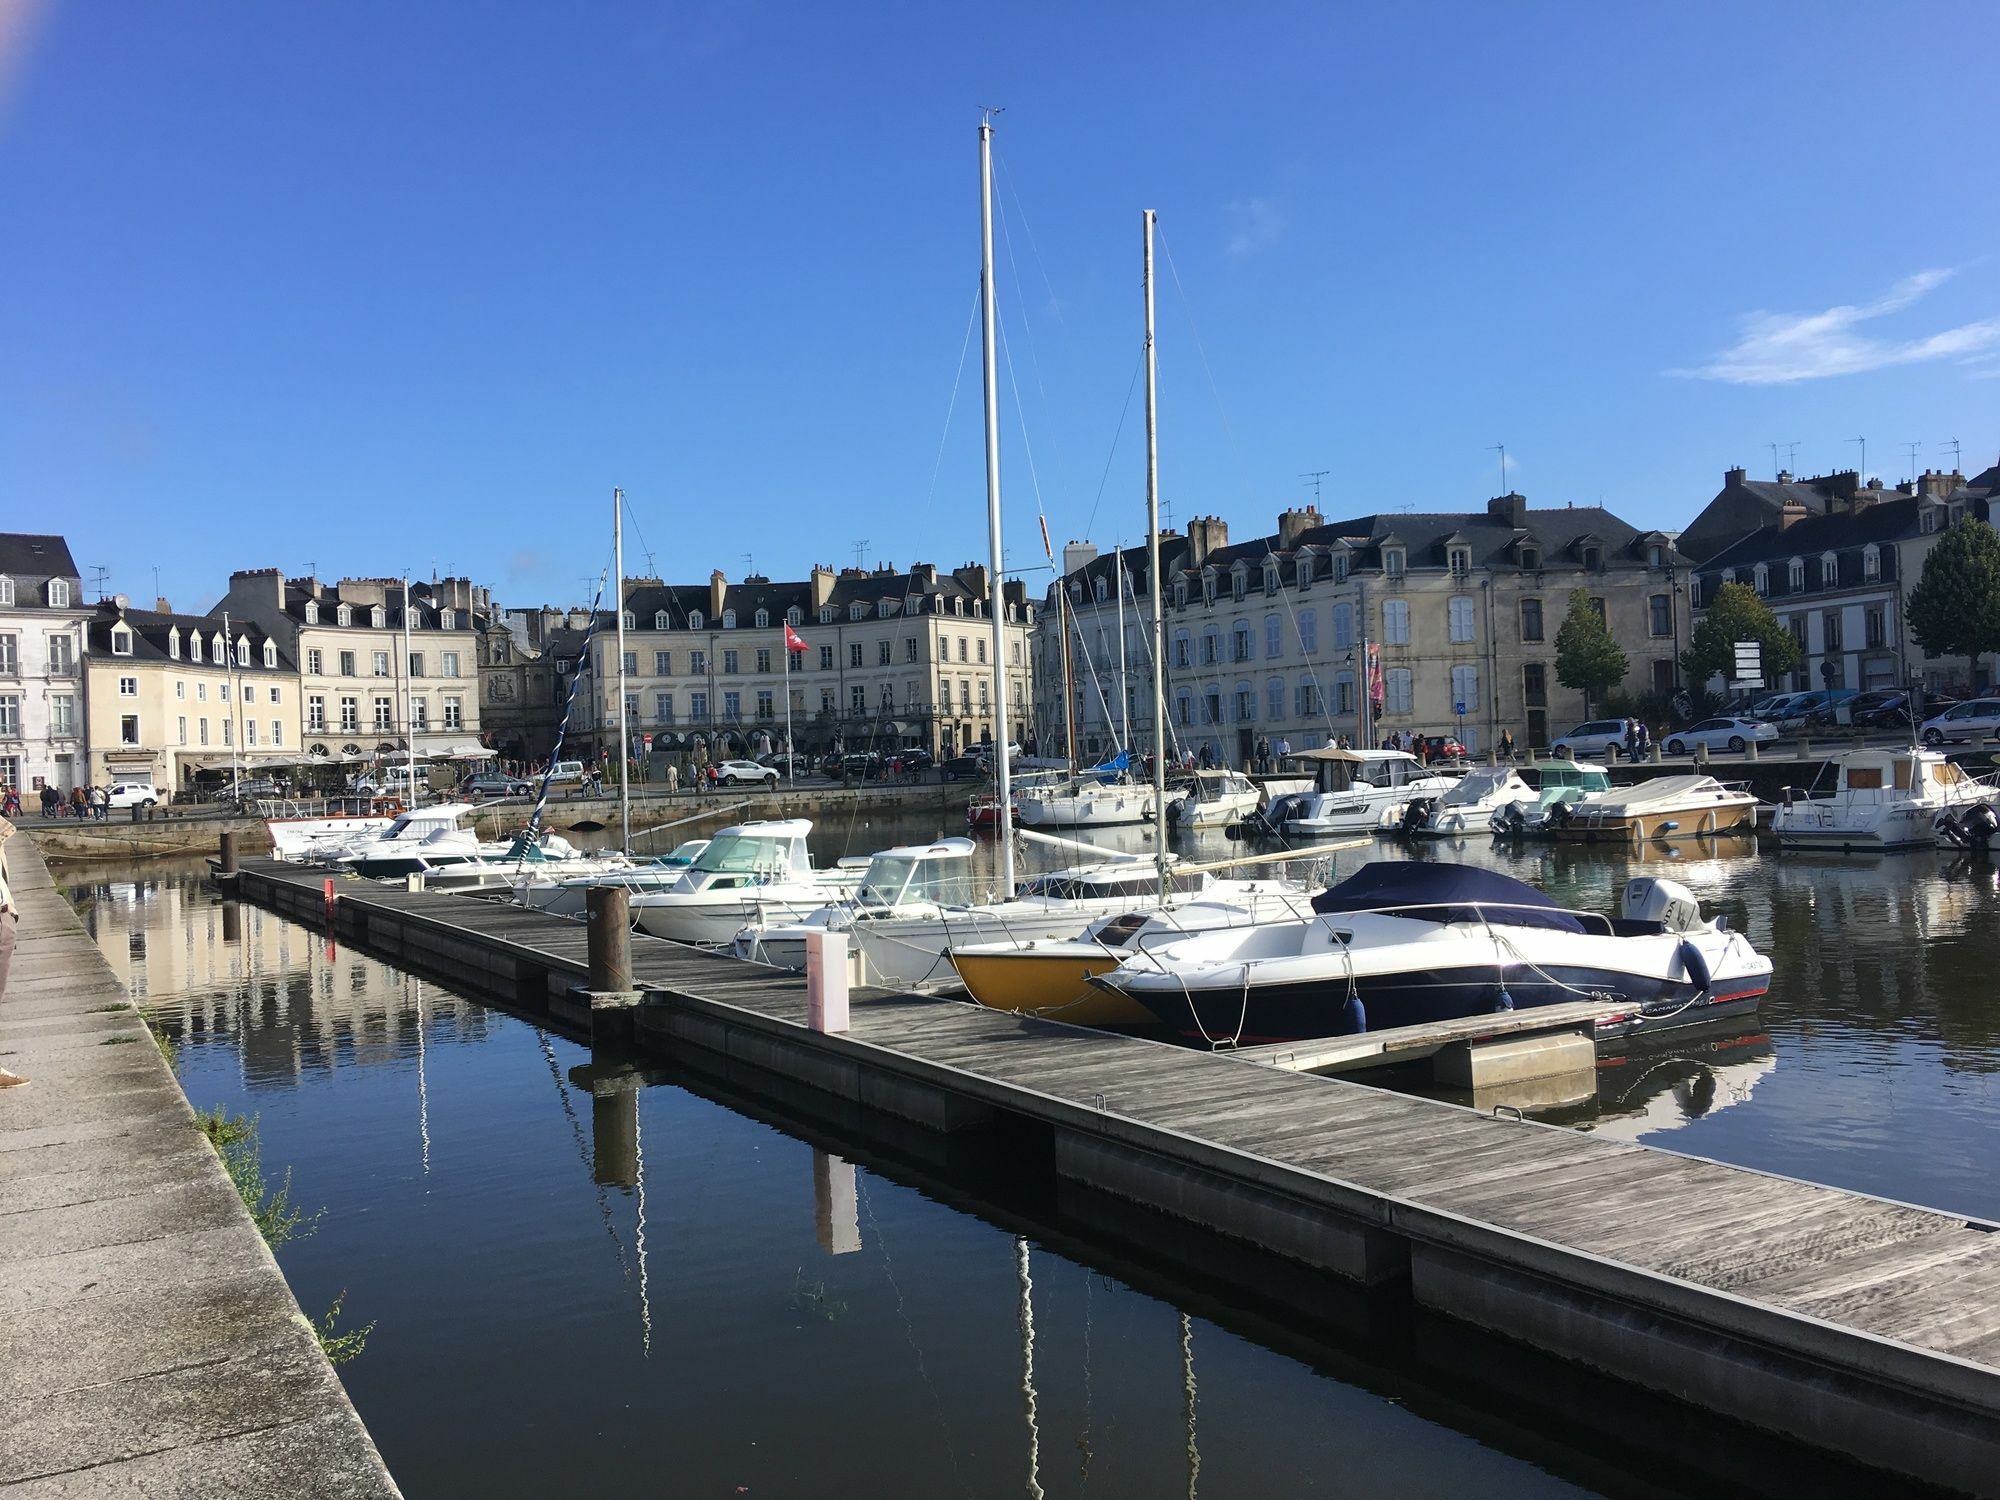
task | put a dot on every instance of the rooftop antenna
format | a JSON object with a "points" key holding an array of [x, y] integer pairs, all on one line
{"points": [[1913, 447], [1951, 443], [1791, 463], [749, 563], [861, 553], [99, 576], [1501, 449], [1316, 475], [156, 583], [1864, 456]]}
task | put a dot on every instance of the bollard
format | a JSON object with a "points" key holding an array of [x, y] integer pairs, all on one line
{"points": [[329, 903], [826, 980], [1750, 750], [1656, 752], [136, 811], [1701, 752], [1805, 748], [610, 909], [226, 865]]}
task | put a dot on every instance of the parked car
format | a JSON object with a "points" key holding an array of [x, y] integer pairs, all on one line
{"points": [[910, 762], [495, 784], [1588, 741], [135, 794], [858, 765], [745, 773], [1720, 734], [964, 768], [1975, 719], [1798, 711], [789, 765], [1855, 711], [245, 788], [1443, 747], [393, 778]]}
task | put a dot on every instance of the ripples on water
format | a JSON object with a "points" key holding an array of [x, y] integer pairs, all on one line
{"points": [[651, 1292]]}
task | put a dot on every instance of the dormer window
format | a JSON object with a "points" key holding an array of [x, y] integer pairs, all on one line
{"points": [[1392, 561], [416, 619], [827, 614], [1926, 523], [121, 641], [58, 593], [694, 619], [1761, 580], [1795, 575], [1180, 595], [631, 620], [219, 650], [1694, 593], [795, 616], [1593, 558], [885, 608], [344, 615], [1531, 559], [1101, 588], [857, 611], [763, 619], [270, 653], [312, 611], [6, 589], [1829, 570], [174, 644], [243, 651], [1340, 565], [729, 619], [447, 620], [194, 647], [659, 619], [376, 616], [1656, 557], [1460, 559], [1302, 571], [1729, 576], [1271, 579], [1871, 562]]}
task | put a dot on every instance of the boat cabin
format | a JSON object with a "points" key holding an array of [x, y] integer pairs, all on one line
{"points": [[939, 874], [1136, 880], [1570, 776], [1912, 772], [760, 853], [1336, 770]]}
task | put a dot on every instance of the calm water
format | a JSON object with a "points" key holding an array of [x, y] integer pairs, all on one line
{"points": [[658, 1293]]}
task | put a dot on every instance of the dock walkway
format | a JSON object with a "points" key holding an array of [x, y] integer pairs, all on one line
{"points": [[149, 1344], [1854, 1324]]}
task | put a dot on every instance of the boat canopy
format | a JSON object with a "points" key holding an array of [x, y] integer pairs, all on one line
{"points": [[1444, 893], [940, 873]]}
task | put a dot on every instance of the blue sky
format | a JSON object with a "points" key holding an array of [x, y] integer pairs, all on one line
{"points": [[379, 286]]}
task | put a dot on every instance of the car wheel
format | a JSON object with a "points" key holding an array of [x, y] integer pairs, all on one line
{"points": [[149, 802], [1736, 744], [1562, 752], [1675, 747], [1933, 738]]}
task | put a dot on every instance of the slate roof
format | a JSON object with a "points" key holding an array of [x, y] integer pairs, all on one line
{"points": [[27, 555], [299, 592], [1880, 523], [151, 630], [680, 601]]}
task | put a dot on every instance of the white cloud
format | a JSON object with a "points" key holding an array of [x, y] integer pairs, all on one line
{"points": [[1780, 348], [1255, 224]]}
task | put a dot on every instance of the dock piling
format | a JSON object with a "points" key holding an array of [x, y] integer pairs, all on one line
{"points": [[610, 909], [226, 861], [826, 980]]}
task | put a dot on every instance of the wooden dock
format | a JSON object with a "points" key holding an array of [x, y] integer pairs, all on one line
{"points": [[1856, 1325], [1373, 1049]]}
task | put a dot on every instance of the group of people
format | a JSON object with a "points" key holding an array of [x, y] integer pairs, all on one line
{"points": [[1638, 740], [80, 802], [1265, 758]]}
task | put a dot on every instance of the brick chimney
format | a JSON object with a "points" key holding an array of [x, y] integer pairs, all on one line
{"points": [[1937, 484], [1733, 477], [1790, 512], [1511, 509], [264, 585], [718, 589], [1207, 535], [1294, 524]]}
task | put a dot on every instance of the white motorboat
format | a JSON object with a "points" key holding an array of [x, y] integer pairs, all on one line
{"points": [[749, 873], [545, 856], [1468, 808], [1215, 799], [1082, 803], [301, 831], [1877, 799], [445, 829], [567, 893], [916, 903], [1405, 942], [1559, 784], [1357, 791], [1688, 806]]}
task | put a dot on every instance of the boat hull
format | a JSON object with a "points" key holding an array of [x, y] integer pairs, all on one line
{"points": [[713, 922], [1053, 982], [1680, 823]]}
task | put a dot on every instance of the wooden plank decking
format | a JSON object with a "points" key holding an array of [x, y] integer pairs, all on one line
{"points": [[1855, 1324]]}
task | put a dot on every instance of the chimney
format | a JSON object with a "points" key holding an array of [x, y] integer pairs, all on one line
{"points": [[1732, 478], [1790, 512], [161, 607], [1937, 484], [1511, 509], [1293, 524], [923, 576], [364, 593], [718, 589], [973, 577], [247, 583], [1207, 535], [1077, 555], [822, 585]]}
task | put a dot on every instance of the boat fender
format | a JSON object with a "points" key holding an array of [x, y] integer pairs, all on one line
{"points": [[1354, 1016], [1695, 967], [1505, 1001]]}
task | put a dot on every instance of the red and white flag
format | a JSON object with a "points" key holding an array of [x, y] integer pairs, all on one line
{"points": [[793, 640]]}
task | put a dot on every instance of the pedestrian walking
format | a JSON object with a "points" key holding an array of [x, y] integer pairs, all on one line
{"points": [[1507, 745], [100, 798]]}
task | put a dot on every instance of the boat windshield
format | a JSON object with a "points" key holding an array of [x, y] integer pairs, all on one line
{"points": [[894, 879], [741, 854]]}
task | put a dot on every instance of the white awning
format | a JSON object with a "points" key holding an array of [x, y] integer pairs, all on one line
{"points": [[439, 748]]}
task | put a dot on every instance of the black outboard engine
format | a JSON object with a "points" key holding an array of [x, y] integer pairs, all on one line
{"points": [[1417, 815], [1972, 829]]}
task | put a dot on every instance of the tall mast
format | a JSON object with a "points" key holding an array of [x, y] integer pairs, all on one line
{"points": [[996, 594], [409, 723], [1153, 580], [1063, 618], [618, 597], [1124, 685]]}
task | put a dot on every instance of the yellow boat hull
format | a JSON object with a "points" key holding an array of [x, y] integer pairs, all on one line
{"points": [[1052, 983]]}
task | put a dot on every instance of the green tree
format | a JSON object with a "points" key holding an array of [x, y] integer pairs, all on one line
{"points": [[1737, 614], [1588, 656], [1955, 608]]}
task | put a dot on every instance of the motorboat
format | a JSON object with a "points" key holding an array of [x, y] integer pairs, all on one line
{"points": [[1082, 803], [1050, 977], [302, 831], [545, 855], [402, 836], [916, 904], [750, 872], [1402, 942], [1559, 784], [1357, 791], [1689, 806], [567, 893], [1214, 799], [439, 850], [1468, 807], [1877, 799]]}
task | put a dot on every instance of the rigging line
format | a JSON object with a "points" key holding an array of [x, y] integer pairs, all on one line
{"points": [[1105, 479], [909, 1328], [937, 464], [1028, 334], [1007, 181], [1020, 415], [1187, 309]]}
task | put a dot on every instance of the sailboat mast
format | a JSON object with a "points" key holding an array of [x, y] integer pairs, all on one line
{"points": [[996, 593], [1124, 683], [1153, 581], [1063, 618], [624, 750], [409, 723]]}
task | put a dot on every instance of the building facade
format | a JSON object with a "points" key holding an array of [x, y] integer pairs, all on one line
{"points": [[892, 659], [1271, 639], [172, 695], [521, 699], [356, 666], [43, 740]]}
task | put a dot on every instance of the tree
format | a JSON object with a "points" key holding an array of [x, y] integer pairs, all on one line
{"points": [[1955, 608], [1588, 656], [1737, 614]]}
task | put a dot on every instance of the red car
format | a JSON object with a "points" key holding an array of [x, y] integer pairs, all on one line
{"points": [[1443, 747]]}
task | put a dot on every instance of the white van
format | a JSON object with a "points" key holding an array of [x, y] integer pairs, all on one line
{"points": [[134, 794], [567, 770]]}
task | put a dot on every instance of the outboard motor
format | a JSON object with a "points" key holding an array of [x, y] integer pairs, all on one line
{"points": [[1417, 815], [1507, 819], [1649, 898], [1971, 829]]}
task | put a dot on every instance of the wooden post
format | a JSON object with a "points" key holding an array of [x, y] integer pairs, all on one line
{"points": [[227, 864], [610, 939]]}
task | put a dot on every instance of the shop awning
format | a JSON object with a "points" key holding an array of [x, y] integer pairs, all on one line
{"points": [[453, 749]]}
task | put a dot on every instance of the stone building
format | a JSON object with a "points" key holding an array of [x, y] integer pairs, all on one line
{"points": [[1744, 505], [1265, 639], [520, 695], [170, 695], [891, 659], [42, 615], [354, 666]]}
